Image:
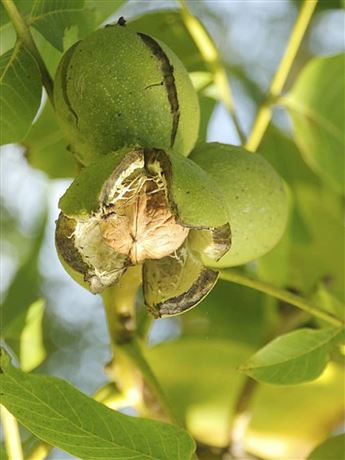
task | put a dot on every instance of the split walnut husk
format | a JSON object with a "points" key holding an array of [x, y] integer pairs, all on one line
{"points": [[144, 207]]}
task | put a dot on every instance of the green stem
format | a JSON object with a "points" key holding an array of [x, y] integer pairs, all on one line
{"points": [[211, 56], [134, 351], [119, 302], [264, 114], [25, 36], [242, 418], [281, 294], [242, 413], [11, 435]]}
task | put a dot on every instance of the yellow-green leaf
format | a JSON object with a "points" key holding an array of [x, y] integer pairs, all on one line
{"points": [[20, 89], [52, 18], [288, 421], [316, 106], [32, 351], [46, 147], [332, 449], [297, 357], [200, 378]]}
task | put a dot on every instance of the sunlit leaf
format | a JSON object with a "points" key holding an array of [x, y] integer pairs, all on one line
{"points": [[200, 378], [61, 415], [32, 352], [8, 36], [314, 104], [332, 448], [45, 147], [50, 55], [23, 291], [20, 87], [296, 357], [288, 421]]}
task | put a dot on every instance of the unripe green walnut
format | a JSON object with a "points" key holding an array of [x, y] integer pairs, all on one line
{"points": [[142, 207], [121, 88], [256, 199]]}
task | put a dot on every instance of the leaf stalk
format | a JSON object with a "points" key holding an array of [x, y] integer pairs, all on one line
{"points": [[211, 56], [24, 34], [281, 294], [129, 360], [264, 114], [11, 435]]}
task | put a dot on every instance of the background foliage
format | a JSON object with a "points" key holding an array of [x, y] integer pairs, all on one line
{"points": [[51, 326]]}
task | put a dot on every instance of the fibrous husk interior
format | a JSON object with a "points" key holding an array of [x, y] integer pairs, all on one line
{"points": [[134, 219]]}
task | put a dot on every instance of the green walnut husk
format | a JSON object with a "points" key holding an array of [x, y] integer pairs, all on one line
{"points": [[256, 199], [118, 87], [144, 207]]}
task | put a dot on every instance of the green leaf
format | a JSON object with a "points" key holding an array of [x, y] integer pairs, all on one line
{"points": [[230, 312], [3, 453], [314, 104], [169, 27], [7, 31], [207, 106], [45, 147], [200, 377], [8, 36], [296, 357], [52, 18], [203, 83], [103, 9], [20, 87], [323, 298], [23, 291], [23, 7], [59, 414], [316, 222], [50, 55], [332, 449], [282, 152], [32, 351], [322, 255]]}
